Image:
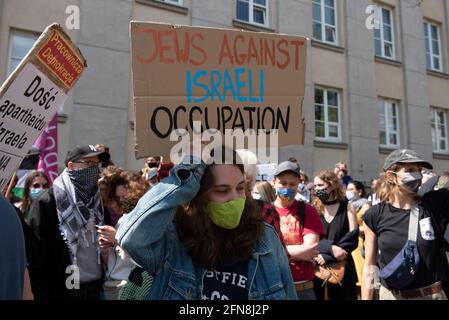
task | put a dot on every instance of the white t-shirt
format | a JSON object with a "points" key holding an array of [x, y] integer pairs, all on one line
{"points": [[119, 264]]}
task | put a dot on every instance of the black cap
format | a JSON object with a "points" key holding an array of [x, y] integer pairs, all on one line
{"points": [[287, 166], [86, 152], [404, 156]]}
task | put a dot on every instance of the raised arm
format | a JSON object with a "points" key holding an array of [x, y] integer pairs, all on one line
{"points": [[141, 232]]}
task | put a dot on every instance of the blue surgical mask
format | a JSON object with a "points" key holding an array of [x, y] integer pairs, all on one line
{"points": [[35, 193], [286, 193], [301, 187], [350, 195]]}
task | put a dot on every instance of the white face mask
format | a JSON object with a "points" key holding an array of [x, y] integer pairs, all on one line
{"points": [[350, 195], [256, 196]]}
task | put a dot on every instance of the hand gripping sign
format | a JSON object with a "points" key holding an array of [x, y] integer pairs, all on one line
{"points": [[33, 93], [222, 79]]}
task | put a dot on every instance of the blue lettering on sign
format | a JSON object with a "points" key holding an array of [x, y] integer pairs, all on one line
{"points": [[217, 84]]}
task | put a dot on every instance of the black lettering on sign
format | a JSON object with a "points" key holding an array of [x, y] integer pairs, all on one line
{"points": [[265, 111], [161, 119], [164, 120], [4, 161], [39, 94], [3, 181], [175, 119], [285, 122], [12, 138]]}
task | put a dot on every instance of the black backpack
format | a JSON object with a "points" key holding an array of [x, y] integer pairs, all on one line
{"points": [[301, 212]]}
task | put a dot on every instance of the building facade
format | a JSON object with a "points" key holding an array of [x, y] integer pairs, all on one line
{"points": [[376, 80]]}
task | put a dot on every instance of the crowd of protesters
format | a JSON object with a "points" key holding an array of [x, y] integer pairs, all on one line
{"points": [[211, 231]]}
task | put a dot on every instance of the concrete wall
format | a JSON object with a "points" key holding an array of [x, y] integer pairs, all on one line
{"points": [[415, 78], [101, 97], [389, 82], [362, 96]]}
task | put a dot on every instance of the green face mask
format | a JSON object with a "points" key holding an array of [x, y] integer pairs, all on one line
{"points": [[227, 214]]}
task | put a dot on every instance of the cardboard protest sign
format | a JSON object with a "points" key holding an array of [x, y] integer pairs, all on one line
{"points": [[32, 94], [266, 171], [226, 79]]}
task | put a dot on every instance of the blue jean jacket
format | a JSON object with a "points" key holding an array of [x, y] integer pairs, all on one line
{"points": [[149, 236]]}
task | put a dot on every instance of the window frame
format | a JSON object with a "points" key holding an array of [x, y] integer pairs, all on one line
{"points": [[324, 24], [23, 34], [173, 2], [428, 39], [326, 122], [387, 112], [382, 36], [251, 6], [434, 118]]}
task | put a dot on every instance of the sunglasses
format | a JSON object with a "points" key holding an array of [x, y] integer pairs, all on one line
{"points": [[40, 185], [90, 163]]}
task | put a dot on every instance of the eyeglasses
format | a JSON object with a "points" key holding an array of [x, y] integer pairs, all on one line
{"points": [[90, 163], [40, 185]]}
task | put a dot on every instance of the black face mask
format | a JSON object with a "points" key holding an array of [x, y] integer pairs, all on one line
{"points": [[85, 182], [152, 164], [322, 195]]}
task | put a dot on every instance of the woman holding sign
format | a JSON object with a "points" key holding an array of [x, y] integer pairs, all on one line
{"points": [[198, 234]]}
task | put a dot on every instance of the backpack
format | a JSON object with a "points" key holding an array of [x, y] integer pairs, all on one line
{"points": [[302, 212]]}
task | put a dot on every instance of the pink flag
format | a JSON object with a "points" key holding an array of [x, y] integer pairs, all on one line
{"points": [[47, 143]]}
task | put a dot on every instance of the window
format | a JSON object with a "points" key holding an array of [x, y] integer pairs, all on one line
{"points": [[19, 45], [433, 47], [175, 2], [327, 115], [324, 21], [439, 131], [253, 11], [384, 36], [389, 124]]}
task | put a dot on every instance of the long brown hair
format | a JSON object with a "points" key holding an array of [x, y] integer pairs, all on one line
{"points": [[136, 187], [210, 245], [266, 191], [337, 192], [26, 199], [111, 178]]}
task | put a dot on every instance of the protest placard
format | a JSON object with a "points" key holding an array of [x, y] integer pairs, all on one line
{"points": [[266, 171], [33, 93], [225, 79]]}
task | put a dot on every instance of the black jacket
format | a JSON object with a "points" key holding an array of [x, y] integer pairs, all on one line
{"points": [[349, 243], [49, 255], [430, 185]]}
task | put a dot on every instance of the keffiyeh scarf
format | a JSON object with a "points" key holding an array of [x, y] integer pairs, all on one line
{"points": [[79, 207]]}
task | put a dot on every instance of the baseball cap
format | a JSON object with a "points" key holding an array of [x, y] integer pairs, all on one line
{"points": [[405, 156], [287, 166], [80, 152]]}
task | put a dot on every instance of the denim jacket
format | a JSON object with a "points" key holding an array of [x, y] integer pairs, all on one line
{"points": [[149, 236]]}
